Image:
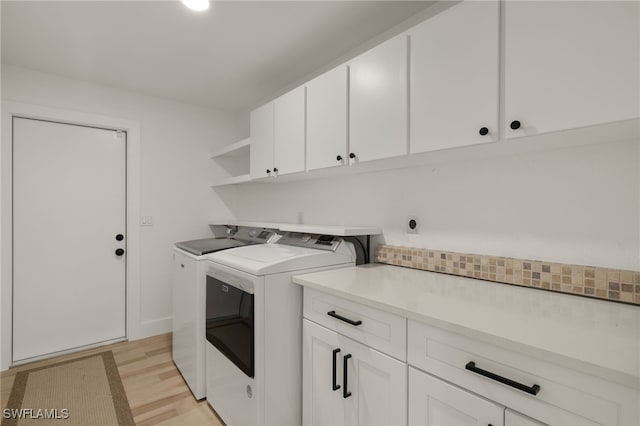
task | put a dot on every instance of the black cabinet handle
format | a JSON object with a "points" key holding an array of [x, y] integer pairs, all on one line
{"points": [[119, 252], [533, 390], [484, 131], [275, 170], [339, 158], [268, 171], [119, 237], [345, 392], [341, 318], [515, 125], [336, 386], [352, 155]]}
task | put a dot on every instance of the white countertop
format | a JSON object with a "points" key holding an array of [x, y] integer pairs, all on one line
{"points": [[597, 337]]}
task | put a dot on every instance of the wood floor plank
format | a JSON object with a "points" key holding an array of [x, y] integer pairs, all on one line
{"points": [[168, 414], [157, 393], [144, 371], [162, 402]]}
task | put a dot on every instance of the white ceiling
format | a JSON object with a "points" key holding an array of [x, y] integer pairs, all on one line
{"points": [[233, 56]]}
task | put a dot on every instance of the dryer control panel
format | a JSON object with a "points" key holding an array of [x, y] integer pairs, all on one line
{"points": [[315, 241]]}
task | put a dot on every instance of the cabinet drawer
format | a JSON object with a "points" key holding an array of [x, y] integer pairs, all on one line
{"points": [[563, 393], [377, 329]]}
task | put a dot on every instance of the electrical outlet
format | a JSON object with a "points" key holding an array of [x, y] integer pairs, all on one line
{"points": [[412, 224]]}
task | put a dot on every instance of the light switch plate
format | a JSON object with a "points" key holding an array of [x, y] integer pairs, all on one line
{"points": [[146, 221]]}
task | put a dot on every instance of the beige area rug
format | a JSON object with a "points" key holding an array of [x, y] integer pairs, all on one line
{"points": [[83, 391]]}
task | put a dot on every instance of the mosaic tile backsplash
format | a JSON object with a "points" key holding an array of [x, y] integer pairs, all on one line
{"points": [[603, 283]]}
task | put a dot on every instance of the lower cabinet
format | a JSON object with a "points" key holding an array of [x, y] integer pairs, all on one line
{"points": [[447, 379], [348, 383], [434, 402], [511, 418]]}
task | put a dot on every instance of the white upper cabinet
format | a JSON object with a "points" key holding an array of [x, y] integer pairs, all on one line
{"points": [[454, 77], [261, 150], [289, 132], [378, 102], [570, 64], [278, 136], [327, 102]]}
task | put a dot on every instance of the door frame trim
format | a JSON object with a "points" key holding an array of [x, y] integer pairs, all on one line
{"points": [[16, 109]]}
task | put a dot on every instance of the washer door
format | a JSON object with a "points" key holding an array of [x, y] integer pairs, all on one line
{"points": [[230, 323]]}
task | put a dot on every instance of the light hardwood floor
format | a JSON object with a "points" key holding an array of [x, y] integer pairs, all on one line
{"points": [[156, 391]]}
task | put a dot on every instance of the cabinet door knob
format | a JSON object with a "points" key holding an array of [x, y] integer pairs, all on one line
{"points": [[483, 131], [352, 155], [119, 237], [268, 171], [515, 125], [339, 158], [119, 252], [275, 170]]}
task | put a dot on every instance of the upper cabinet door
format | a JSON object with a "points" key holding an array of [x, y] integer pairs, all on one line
{"points": [[570, 64], [378, 102], [327, 99], [261, 148], [289, 139], [454, 77]]}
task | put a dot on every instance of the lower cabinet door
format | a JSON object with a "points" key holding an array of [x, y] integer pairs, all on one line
{"points": [[434, 402], [511, 418], [375, 386], [321, 400], [348, 383]]}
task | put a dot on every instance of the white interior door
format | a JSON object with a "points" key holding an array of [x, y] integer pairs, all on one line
{"points": [[69, 192]]}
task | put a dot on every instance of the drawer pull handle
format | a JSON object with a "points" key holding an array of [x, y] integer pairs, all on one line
{"points": [[345, 392], [336, 386], [341, 318], [533, 390]]}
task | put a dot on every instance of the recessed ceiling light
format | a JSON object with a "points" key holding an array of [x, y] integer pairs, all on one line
{"points": [[198, 5]]}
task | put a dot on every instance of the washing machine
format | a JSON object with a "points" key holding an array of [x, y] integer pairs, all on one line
{"points": [[254, 326], [189, 300]]}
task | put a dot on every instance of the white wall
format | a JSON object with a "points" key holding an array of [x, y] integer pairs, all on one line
{"points": [[175, 169], [575, 205]]}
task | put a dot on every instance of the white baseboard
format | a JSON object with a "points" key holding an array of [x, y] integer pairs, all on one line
{"points": [[153, 328]]}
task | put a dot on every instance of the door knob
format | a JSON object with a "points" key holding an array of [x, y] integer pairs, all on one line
{"points": [[484, 131], [352, 155], [515, 125], [275, 170], [119, 237], [119, 252], [268, 171], [339, 158]]}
